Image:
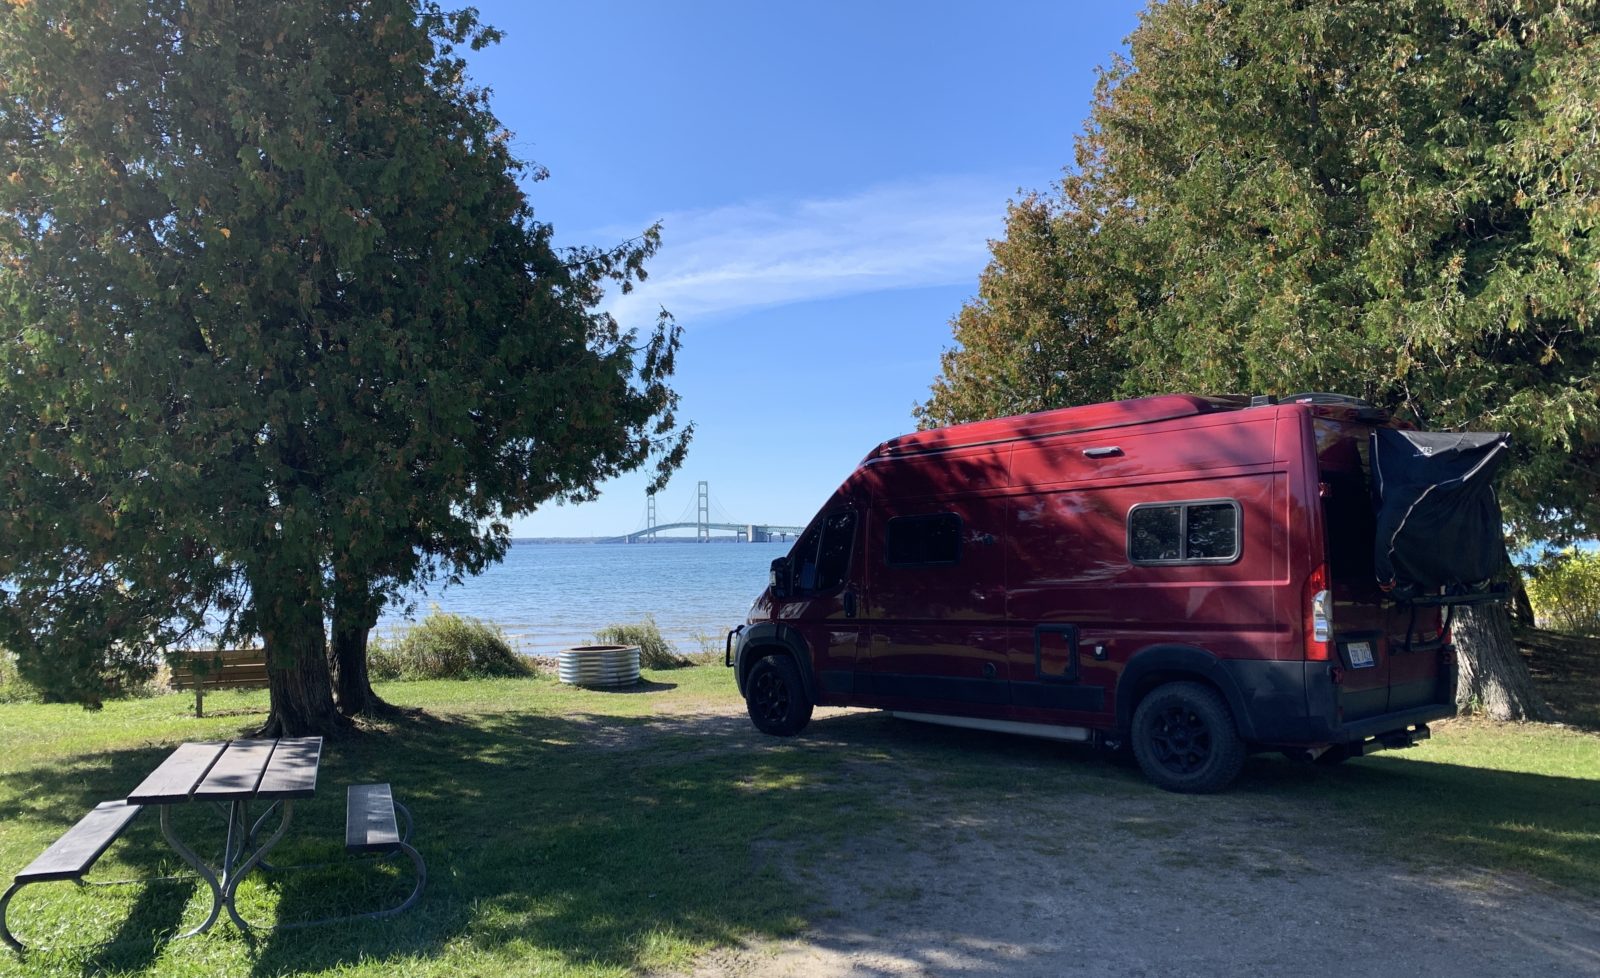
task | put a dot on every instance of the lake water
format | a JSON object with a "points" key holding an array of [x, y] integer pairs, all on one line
{"points": [[549, 597]]}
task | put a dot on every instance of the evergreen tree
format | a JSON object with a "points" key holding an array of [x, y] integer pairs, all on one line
{"points": [[281, 332], [1389, 198]]}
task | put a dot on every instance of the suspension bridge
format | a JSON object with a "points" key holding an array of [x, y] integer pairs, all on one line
{"points": [[708, 517]]}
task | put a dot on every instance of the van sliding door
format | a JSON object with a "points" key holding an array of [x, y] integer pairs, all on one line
{"points": [[1063, 545]]}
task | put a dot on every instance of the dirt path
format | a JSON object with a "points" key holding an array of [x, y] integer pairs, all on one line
{"points": [[1119, 887]]}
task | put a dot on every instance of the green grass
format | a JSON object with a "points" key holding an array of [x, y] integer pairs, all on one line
{"points": [[591, 833]]}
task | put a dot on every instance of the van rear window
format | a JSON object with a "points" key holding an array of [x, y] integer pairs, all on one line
{"points": [[1199, 532], [914, 541]]}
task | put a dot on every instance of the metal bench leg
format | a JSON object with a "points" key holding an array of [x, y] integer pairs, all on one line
{"points": [[5, 932], [232, 888], [404, 905], [255, 830], [422, 880], [199, 866], [10, 939]]}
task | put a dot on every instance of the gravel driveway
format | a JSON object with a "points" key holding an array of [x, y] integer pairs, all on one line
{"points": [[1120, 887]]}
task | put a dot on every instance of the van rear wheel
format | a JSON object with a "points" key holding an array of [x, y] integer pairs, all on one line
{"points": [[1184, 738], [775, 697]]}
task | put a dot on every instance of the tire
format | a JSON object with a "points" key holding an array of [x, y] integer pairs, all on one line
{"points": [[775, 697], [1185, 740]]}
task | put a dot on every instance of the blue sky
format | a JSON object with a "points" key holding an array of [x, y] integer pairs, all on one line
{"points": [[827, 176]]}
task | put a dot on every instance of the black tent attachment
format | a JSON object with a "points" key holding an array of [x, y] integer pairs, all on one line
{"points": [[1438, 519]]}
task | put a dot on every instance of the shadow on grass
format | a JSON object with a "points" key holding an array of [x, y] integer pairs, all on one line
{"points": [[610, 841], [642, 686], [1543, 825], [55, 797]]}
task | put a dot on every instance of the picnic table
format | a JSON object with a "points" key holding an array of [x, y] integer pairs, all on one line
{"points": [[235, 774], [232, 776]]}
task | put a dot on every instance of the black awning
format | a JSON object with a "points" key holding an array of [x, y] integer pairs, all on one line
{"points": [[1438, 519]]}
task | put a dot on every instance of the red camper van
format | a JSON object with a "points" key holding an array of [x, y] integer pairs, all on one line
{"points": [[1197, 577]]}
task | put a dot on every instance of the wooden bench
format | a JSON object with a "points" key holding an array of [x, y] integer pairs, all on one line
{"points": [[71, 856], [371, 825], [203, 669]]}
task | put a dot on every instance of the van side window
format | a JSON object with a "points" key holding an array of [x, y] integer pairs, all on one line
{"points": [[1184, 533], [821, 561], [915, 541]]}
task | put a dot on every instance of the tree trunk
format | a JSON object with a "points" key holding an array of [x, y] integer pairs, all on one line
{"points": [[1521, 606], [297, 667], [353, 686], [1494, 680], [354, 612]]}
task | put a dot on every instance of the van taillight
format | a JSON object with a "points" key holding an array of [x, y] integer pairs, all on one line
{"points": [[1319, 615]]}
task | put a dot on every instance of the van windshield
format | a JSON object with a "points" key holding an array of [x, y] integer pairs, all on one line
{"points": [[822, 557]]}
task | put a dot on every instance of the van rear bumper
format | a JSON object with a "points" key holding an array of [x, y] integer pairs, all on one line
{"points": [[1298, 704]]}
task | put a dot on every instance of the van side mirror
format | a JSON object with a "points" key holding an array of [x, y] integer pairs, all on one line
{"points": [[778, 577]]}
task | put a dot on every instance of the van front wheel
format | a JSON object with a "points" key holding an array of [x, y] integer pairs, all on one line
{"points": [[1184, 738], [776, 698]]}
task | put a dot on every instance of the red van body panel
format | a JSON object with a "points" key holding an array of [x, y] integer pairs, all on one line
{"points": [[1051, 569]]}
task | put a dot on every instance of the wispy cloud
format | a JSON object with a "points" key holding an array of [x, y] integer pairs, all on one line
{"points": [[923, 233]]}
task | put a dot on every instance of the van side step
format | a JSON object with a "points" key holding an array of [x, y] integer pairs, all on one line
{"points": [[1048, 731]]}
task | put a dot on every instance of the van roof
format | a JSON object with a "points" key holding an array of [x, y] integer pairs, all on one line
{"points": [[1089, 417]]}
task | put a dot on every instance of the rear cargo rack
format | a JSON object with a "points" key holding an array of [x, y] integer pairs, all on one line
{"points": [[1498, 592], [1489, 595]]}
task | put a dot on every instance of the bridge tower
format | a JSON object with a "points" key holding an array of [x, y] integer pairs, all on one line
{"points": [[703, 514], [650, 514]]}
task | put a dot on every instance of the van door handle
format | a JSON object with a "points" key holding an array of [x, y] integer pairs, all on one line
{"points": [[1103, 452], [849, 604]]}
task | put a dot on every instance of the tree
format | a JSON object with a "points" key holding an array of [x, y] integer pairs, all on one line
{"points": [[282, 334], [1394, 200], [1041, 331]]}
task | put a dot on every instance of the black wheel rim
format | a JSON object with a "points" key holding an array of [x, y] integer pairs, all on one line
{"points": [[1181, 740], [770, 695]]}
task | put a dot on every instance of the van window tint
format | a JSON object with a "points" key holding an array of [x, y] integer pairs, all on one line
{"points": [[1213, 532], [1181, 533], [1154, 533], [822, 557], [1351, 527], [919, 540]]}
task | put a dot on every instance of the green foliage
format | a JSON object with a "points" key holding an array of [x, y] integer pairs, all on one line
{"points": [[1565, 591], [13, 688], [446, 646], [655, 652], [1389, 199], [1039, 334], [282, 333]]}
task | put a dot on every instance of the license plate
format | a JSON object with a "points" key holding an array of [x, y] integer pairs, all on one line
{"points": [[1360, 655]]}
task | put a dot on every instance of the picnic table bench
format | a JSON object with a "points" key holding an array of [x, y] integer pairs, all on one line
{"points": [[233, 774]]}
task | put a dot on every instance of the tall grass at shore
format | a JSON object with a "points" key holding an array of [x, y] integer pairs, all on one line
{"points": [[446, 646], [655, 652]]}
